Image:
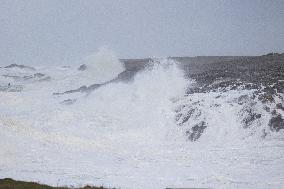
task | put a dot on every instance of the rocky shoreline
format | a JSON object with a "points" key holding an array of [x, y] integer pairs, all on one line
{"points": [[8, 183]]}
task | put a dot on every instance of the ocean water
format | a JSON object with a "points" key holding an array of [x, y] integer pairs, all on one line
{"points": [[132, 134]]}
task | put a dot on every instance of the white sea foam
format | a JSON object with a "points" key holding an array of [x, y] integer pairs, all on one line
{"points": [[125, 134]]}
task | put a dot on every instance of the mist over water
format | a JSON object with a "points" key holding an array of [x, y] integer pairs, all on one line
{"points": [[132, 134]]}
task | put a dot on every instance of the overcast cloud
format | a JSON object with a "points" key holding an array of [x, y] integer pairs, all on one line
{"points": [[64, 31]]}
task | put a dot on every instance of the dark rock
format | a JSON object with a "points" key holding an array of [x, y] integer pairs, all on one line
{"points": [[233, 73], [83, 67], [280, 106], [36, 75], [39, 76], [266, 108], [264, 133], [82, 89], [215, 105], [218, 96], [269, 90], [191, 112], [192, 90], [47, 78], [185, 118], [250, 86], [11, 88], [250, 117], [92, 87], [276, 123], [243, 99], [20, 66], [274, 112], [68, 101], [178, 116], [13, 76], [196, 131], [272, 54], [127, 75], [279, 86], [178, 109], [264, 98]]}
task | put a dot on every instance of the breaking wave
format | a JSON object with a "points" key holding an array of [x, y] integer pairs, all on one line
{"points": [[147, 132]]}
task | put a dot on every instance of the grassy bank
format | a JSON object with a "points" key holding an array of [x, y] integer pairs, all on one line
{"points": [[8, 183]]}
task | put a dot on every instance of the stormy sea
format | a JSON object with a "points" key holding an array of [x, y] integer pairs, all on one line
{"points": [[175, 122]]}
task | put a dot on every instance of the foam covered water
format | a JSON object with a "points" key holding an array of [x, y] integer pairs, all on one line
{"points": [[127, 134]]}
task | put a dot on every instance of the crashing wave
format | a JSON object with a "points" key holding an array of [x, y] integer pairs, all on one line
{"points": [[201, 122]]}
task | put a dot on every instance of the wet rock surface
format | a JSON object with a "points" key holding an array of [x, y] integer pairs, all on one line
{"points": [[20, 66], [82, 89], [132, 67], [276, 123], [246, 72], [262, 75], [68, 101], [250, 118], [37, 76], [11, 88], [15, 80], [196, 131], [83, 67]]}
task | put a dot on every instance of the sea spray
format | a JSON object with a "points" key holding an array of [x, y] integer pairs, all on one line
{"points": [[128, 135], [102, 65]]}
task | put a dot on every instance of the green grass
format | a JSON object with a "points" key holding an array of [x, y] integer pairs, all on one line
{"points": [[8, 183]]}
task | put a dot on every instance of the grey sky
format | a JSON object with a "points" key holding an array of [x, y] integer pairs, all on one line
{"points": [[47, 31]]}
